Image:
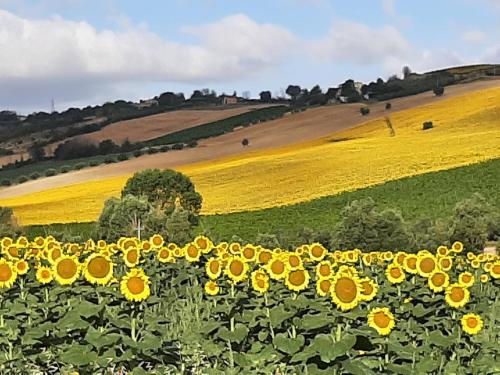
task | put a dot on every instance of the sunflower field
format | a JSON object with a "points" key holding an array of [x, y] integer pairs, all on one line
{"points": [[150, 307]]}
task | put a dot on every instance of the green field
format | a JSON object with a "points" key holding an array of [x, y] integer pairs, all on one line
{"points": [[432, 195]]}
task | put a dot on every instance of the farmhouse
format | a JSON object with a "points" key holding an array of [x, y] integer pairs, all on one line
{"points": [[229, 100]]}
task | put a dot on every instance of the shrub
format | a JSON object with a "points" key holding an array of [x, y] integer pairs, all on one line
{"points": [[245, 142], [65, 169], [388, 106], [5, 182], [364, 111], [22, 179], [122, 157], [192, 144], [79, 166], [427, 125], [109, 160], [164, 148], [438, 90], [94, 163], [35, 176], [153, 150], [178, 146], [50, 172], [137, 153]]}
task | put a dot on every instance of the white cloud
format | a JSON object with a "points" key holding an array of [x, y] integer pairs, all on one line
{"points": [[360, 44], [474, 36]]}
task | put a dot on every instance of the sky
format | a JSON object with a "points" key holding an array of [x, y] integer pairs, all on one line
{"points": [[87, 52]]}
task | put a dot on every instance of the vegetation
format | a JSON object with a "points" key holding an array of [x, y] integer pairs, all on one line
{"points": [[364, 111], [427, 125]]}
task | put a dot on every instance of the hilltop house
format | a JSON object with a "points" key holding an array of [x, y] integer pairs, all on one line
{"points": [[146, 104], [229, 100]]}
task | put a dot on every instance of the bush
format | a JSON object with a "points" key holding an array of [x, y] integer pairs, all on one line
{"points": [[122, 157], [438, 91], [153, 150], [22, 179], [109, 160], [5, 182], [178, 146], [388, 106], [192, 144], [65, 169], [364, 111], [94, 163], [427, 125], [137, 153], [50, 172], [245, 142], [35, 176], [79, 166], [164, 148]]}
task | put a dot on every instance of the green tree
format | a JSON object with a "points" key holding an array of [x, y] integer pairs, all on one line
{"points": [[8, 224], [364, 226], [178, 227], [165, 190]]}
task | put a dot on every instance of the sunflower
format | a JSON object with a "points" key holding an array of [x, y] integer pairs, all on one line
{"points": [[101, 244], [442, 251], [323, 287], [165, 255], [487, 266], [495, 270], [426, 264], [156, 241], [438, 281], [394, 273], [146, 246], [6, 242], [126, 242], [66, 269], [317, 252], [264, 256], [213, 268], [277, 267], [472, 323], [22, 241], [294, 261], [457, 295], [445, 263], [475, 263], [98, 269], [346, 291], [249, 253], [131, 256], [410, 265], [39, 242], [399, 258], [204, 244], [369, 289], [351, 256], [22, 267], [348, 270], [12, 251], [484, 278], [234, 248], [236, 269], [324, 269], [8, 274], [54, 254], [457, 247], [382, 320], [211, 288], [367, 259], [135, 285], [193, 253], [260, 281], [297, 279], [466, 279], [44, 275]]}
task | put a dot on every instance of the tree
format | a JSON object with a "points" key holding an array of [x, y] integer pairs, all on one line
{"points": [[166, 190], [107, 146], [245, 142], [293, 91], [178, 227], [265, 96], [37, 152], [170, 99], [8, 224], [438, 90], [406, 72]]}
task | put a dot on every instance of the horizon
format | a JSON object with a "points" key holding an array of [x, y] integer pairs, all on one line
{"points": [[97, 52]]}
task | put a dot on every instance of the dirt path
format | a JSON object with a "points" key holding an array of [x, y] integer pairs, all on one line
{"points": [[309, 125]]}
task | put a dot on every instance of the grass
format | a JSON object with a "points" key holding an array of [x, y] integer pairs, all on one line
{"points": [[432, 195]]}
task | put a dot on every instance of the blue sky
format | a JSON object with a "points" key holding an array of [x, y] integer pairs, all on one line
{"points": [[83, 52]]}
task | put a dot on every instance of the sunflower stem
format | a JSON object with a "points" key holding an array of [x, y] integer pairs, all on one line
{"points": [[268, 314], [132, 328]]}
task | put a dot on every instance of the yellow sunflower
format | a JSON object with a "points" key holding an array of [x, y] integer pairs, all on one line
{"points": [[204, 244], [39, 242], [466, 279], [438, 281], [165, 255], [346, 291], [317, 252], [135, 285], [22, 267], [249, 253], [323, 287], [484, 278], [131, 256], [12, 251], [98, 269], [367, 259], [445, 263], [22, 241], [399, 258], [146, 246], [264, 256], [369, 289], [294, 261], [457, 247], [457, 295], [442, 251], [260, 281], [213, 268], [394, 273], [44, 275], [193, 253], [382, 320], [211, 288], [324, 269], [475, 263], [236, 269], [235, 248], [426, 264], [6, 242], [471, 323], [128, 242], [297, 279], [277, 267], [495, 270], [66, 269], [410, 265], [54, 254], [8, 274], [156, 241]]}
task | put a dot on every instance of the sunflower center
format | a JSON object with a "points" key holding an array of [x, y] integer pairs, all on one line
{"points": [[260, 283], [236, 267], [132, 256], [346, 289], [67, 268], [427, 265], [45, 274], [157, 241], [164, 254], [445, 263], [438, 279], [202, 243], [294, 261], [13, 252], [472, 322], [56, 253], [248, 252], [496, 269], [21, 266], [297, 277], [412, 263], [99, 267], [5, 272], [214, 266], [324, 270], [325, 286], [192, 251], [466, 278], [278, 267], [135, 285], [381, 319], [395, 272], [367, 288], [317, 251], [264, 257], [457, 294]]}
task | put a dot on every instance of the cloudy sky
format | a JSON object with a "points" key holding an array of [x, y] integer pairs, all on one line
{"points": [[82, 52]]}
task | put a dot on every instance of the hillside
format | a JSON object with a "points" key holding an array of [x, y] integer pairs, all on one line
{"points": [[466, 131]]}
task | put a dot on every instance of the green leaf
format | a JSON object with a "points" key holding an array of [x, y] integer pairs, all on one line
{"points": [[78, 355], [278, 315], [288, 345], [237, 336], [309, 322], [328, 350], [437, 338], [355, 367], [400, 369]]}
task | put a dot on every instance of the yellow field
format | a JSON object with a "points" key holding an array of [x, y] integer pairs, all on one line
{"points": [[466, 130]]}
